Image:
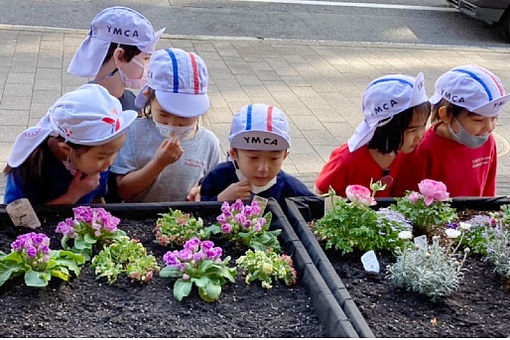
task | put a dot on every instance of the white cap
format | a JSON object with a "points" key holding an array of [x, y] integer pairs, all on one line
{"points": [[384, 98], [117, 24], [180, 80], [259, 127], [88, 116], [472, 87]]}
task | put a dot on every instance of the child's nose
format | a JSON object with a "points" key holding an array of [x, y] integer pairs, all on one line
{"points": [[263, 165]]}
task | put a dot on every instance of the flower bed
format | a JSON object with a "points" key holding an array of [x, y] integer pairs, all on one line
{"points": [[478, 308], [86, 307]]}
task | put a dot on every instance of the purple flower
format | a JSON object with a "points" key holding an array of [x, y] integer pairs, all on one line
{"points": [[206, 245], [255, 208], [238, 205], [214, 253], [257, 227], [83, 214], [171, 258], [33, 245], [192, 244], [241, 218], [31, 251], [225, 207], [197, 257], [185, 255], [66, 227], [452, 225], [226, 228]]}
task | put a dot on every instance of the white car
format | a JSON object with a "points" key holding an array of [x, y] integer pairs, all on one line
{"points": [[490, 11]]}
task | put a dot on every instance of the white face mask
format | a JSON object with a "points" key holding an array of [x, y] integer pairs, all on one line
{"points": [[69, 166], [181, 132], [134, 83], [254, 188]]}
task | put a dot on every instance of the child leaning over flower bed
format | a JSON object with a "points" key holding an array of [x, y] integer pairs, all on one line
{"points": [[259, 143]]}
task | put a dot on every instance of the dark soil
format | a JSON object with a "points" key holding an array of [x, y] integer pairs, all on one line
{"points": [[84, 307], [479, 308]]}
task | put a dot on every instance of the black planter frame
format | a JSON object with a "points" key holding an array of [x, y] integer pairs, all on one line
{"points": [[301, 210], [332, 317]]}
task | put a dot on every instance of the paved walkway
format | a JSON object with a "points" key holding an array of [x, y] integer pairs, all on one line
{"points": [[318, 84]]}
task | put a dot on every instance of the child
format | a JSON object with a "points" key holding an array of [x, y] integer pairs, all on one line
{"points": [[459, 149], [167, 152], [396, 110], [116, 53], [259, 140], [65, 159]]}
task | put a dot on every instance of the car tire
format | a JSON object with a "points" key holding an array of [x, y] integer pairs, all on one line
{"points": [[504, 24]]}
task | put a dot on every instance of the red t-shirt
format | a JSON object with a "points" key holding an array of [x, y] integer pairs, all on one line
{"points": [[345, 168], [465, 171]]}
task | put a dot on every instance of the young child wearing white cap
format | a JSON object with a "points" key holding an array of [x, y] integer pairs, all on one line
{"points": [[65, 159], [259, 143], [396, 110], [168, 151], [115, 54], [459, 149]]}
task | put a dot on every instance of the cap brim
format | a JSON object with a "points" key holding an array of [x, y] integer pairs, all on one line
{"points": [[26, 143], [492, 108], [259, 140], [436, 98], [126, 118], [141, 99], [183, 104], [152, 46], [89, 57]]}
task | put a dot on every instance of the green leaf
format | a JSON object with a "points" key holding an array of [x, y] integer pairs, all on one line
{"points": [[201, 281], [170, 272], [79, 243], [210, 293], [88, 238], [213, 229], [182, 289], [8, 269], [37, 279], [61, 275], [14, 257]]}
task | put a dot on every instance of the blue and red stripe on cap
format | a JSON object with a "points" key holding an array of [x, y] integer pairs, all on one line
{"points": [[482, 82], [175, 67], [269, 118]]}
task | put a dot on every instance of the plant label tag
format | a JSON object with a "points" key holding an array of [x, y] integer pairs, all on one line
{"points": [[261, 201], [22, 214], [421, 242], [370, 262]]}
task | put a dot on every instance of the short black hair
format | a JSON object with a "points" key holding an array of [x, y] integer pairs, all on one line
{"points": [[130, 52], [389, 137], [451, 109]]}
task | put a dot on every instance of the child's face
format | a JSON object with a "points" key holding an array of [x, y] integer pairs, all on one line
{"points": [[161, 116], [414, 132], [135, 67], [259, 167], [474, 124], [97, 158]]}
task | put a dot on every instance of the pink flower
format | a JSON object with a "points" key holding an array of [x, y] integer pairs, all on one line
{"points": [[414, 196], [359, 194], [433, 191]]}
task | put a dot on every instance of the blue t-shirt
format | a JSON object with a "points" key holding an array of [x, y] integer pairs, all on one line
{"points": [[58, 178], [219, 178]]}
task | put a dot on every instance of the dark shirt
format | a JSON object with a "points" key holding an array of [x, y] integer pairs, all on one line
{"points": [[58, 179], [223, 175]]}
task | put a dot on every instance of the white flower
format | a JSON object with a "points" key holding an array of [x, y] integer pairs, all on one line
{"points": [[405, 235], [452, 233], [464, 226]]}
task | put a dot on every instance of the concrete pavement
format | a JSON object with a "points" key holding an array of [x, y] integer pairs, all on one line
{"points": [[318, 84]]}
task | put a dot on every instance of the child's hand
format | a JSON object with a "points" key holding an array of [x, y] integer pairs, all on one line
{"points": [[241, 189], [168, 152], [81, 185], [194, 194]]}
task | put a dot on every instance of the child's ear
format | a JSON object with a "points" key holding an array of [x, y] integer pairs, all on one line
{"points": [[64, 148], [118, 56], [285, 154], [233, 153], [443, 114]]}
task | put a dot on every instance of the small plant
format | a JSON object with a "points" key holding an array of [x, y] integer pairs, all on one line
{"points": [[175, 228], [199, 263], [498, 252], [354, 225], [89, 226], [32, 255], [427, 209], [245, 225], [125, 256], [434, 271], [266, 266]]}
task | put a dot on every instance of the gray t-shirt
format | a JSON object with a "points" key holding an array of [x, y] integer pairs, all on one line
{"points": [[201, 154]]}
